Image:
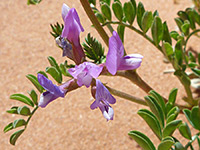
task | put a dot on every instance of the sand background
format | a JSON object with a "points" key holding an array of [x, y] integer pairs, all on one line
{"points": [[69, 123]]}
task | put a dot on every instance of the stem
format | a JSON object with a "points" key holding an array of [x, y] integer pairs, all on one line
{"points": [[137, 31], [94, 21], [135, 78], [32, 113], [191, 141], [186, 41], [126, 96]]}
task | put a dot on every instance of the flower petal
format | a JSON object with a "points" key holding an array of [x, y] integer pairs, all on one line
{"points": [[130, 62], [94, 70], [107, 112], [102, 93], [115, 53], [72, 27], [65, 10], [49, 86], [84, 79], [46, 98]]}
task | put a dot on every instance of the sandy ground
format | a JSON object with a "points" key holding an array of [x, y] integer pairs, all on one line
{"points": [[69, 123]]}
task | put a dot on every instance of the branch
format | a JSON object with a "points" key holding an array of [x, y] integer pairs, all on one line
{"points": [[94, 20]]}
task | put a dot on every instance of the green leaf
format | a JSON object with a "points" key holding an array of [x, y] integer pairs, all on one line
{"points": [[8, 127], [43, 73], [120, 31], [166, 34], [195, 117], [191, 57], [92, 2], [179, 146], [167, 48], [54, 73], [155, 13], [157, 30], [191, 19], [152, 121], [33, 96], [172, 95], [25, 111], [192, 65], [187, 113], [171, 127], [185, 131], [13, 110], [183, 15], [185, 27], [64, 70], [142, 140], [196, 71], [179, 23], [147, 20], [174, 35], [93, 49], [22, 98], [159, 99], [199, 58], [19, 123], [105, 9], [33, 2], [118, 10], [35, 82], [53, 63], [174, 110], [140, 12], [196, 16], [172, 115], [179, 53], [156, 109], [129, 12], [166, 144], [100, 17], [15, 136], [106, 1]]}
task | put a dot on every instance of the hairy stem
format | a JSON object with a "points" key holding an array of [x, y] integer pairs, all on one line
{"points": [[94, 21], [126, 96], [135, 78]]}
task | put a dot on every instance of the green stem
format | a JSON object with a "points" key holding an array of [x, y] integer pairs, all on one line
{"points": [[32, 113], [191, 141], [94, 21], [186, 41], [136, 30], [126, 96], [135, 78]]}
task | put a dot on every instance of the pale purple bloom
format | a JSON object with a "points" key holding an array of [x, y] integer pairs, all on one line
{"points": [[115, 59], [52, 91], [102, 100], [65, 10], [85, 72], [71, 31]]}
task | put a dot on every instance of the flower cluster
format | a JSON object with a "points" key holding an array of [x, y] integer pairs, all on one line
{"points": [[84, 73]]}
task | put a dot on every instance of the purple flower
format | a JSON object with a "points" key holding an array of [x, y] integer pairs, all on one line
{"points": [[116, 60], [52, 91], [102, 100], [65, 10], [85, 72], [71, 31]]}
